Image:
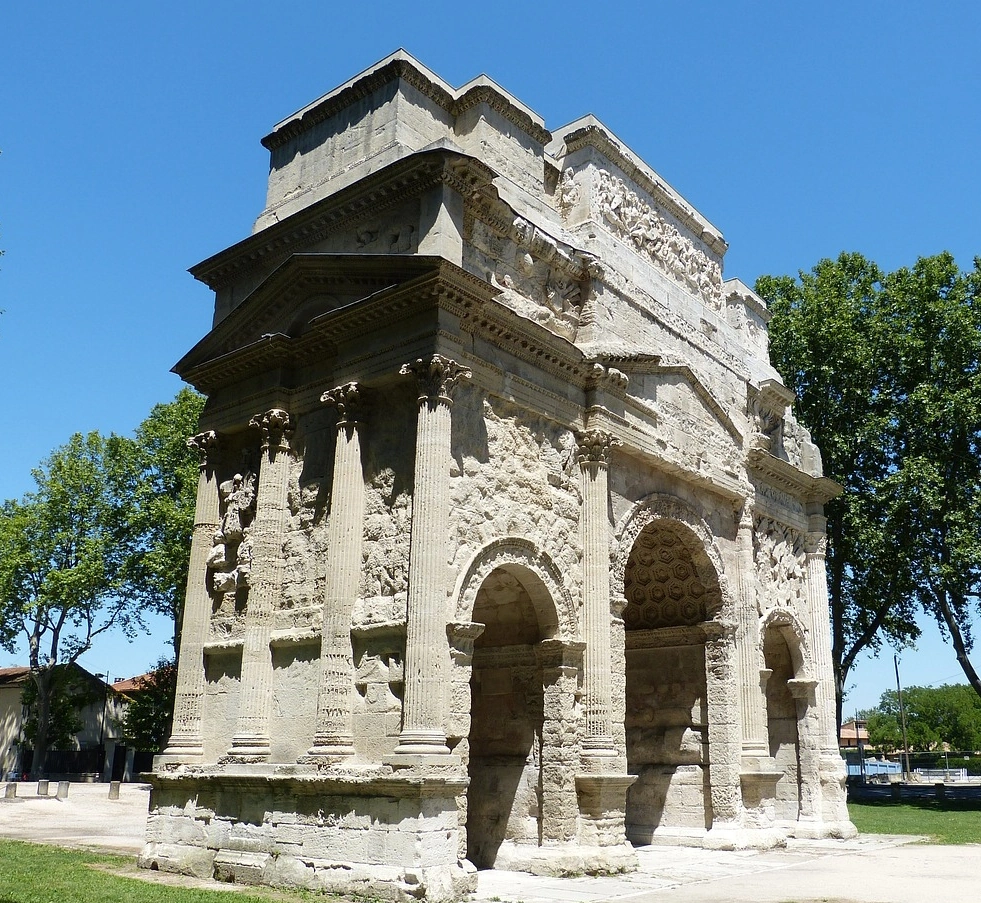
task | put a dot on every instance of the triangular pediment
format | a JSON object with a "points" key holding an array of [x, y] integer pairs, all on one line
{"points": [[305, 287], [674, 394]]}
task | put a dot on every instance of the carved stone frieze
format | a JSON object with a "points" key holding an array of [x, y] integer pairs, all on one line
{"points": [[230, 559], [659, 239], [780, 564]]}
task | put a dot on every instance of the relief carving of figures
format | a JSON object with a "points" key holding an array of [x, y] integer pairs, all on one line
{"points": [[659, 239], [538, 279], [569, 192], [230, 558], [767, 423], [780, 563]]}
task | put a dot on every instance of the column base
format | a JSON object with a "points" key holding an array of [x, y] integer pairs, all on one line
{"points": [[422, 743], [190, 747], [247, 749], [329, 749]]}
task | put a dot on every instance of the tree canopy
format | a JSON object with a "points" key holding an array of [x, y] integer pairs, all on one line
{"points": [[887, 372], [949, 714], [161, 484], [148, 717], [62, 556], [103, 538]]}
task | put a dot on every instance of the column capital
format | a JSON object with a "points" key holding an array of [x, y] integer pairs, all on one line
{"points": [[746, 511], [276, 426], [816, 543], [437, 377], [595, 446], [208, 447], [349, 401]]}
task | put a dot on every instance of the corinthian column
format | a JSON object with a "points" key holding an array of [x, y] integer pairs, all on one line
{"points": [[186, 740], [594, 452], [251, 739], [832, 811], [345, 530], [425, 629], [820, 627], [753, 702]]}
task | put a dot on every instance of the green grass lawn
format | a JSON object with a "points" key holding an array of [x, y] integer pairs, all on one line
{"points": [[947, 821], [36, 873]]}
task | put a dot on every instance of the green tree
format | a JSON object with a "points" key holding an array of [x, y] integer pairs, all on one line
{"points": [[887, 371], [935, 319], [949, 714], [62, 553], [71, 691], [829, 340], [161, 484], [148, 718]]}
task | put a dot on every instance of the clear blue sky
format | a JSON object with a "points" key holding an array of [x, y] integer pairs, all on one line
{"points": [[130, 151]]}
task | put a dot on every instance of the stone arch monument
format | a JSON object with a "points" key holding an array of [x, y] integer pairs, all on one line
{"points": [[508, 548]]}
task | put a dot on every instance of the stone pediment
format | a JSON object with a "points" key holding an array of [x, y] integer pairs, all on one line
{"points": [[299, 290], [672, 392]]}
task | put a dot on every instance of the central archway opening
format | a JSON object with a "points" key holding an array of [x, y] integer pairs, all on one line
{"points": [[669, 594], [504, 800]]}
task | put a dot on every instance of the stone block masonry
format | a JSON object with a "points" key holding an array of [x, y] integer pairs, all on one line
{"points": [[509, 550]]}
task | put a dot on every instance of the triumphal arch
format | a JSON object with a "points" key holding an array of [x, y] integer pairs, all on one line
{"points": [[509, 551]]}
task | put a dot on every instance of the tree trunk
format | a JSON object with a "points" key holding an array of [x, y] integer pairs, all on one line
{"points": [[43, 681], [958, 640]]}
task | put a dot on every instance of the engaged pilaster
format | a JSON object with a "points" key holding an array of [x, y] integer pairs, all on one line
{"points": [[345, 532], [594, 456], [186, 739], [820, 619], [251, 739], [423, 732], [724, 732], [752, 698], [831, 787]]}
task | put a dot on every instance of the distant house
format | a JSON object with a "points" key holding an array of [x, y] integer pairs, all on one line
{"points": [[854, 734], [87, 753]]}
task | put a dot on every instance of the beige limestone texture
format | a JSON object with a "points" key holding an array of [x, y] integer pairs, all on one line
{"points": [[562, 585]]}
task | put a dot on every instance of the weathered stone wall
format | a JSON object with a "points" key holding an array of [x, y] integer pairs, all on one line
{"points": [[513, 475], [511, 359]]}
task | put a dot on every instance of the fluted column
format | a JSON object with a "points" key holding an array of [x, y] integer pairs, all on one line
{"points": [[186, 739], [832, 812], [752, 698], [345, 532], [426, 647], [820, 629], [251, 739], [594, 452]]}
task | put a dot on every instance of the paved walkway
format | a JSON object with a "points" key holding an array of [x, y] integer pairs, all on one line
{"points": [[870, 869]]}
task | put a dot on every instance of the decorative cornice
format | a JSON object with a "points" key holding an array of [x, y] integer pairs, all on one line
{"points": [[403, 68], [785, 476], [408, 177], [499, 102], [335, 102]]}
